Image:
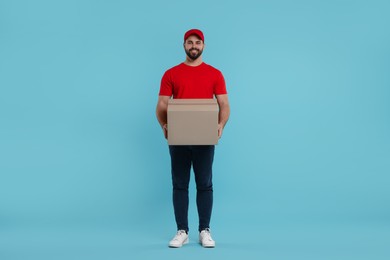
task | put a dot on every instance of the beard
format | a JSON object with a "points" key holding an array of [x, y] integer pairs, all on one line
{"points": [[194, 55]]}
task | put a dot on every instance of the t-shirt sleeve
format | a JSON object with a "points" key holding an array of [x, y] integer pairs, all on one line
{"points": [[166, 88], [220, 85]]}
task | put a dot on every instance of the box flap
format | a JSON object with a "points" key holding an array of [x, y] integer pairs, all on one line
{"points": [[206, 101]]}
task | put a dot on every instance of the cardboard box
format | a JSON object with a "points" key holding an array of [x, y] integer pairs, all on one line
{"points": [[193, 121]]}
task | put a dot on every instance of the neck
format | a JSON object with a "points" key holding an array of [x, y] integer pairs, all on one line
{"points": [[193, 63]]}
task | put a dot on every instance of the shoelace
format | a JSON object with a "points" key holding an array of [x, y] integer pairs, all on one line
{"points": [[207, 234], [178, 234]]}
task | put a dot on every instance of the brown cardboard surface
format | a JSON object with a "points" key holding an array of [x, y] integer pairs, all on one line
{"points": [[192, 121]]}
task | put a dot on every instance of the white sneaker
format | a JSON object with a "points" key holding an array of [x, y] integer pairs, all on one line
{"points": [[205, 238], [179, 240]]}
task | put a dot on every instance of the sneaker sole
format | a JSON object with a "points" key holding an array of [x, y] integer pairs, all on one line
{"points": [[207, 246], [178, 246]]}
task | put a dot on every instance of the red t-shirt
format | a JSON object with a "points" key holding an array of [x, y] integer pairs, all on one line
{"points": [[184, 81]]}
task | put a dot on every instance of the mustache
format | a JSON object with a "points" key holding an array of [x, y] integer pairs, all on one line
{"points": [[194, 49]]}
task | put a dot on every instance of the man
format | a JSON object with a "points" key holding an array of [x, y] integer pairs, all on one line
{"points": [[192, 79]]}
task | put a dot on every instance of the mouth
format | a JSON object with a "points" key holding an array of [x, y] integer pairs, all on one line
{"points": [[194, 53]]}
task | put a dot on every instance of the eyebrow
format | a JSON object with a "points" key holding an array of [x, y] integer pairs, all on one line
{"points": [[197, 41]]}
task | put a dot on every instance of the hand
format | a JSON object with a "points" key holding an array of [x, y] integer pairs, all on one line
{"points": [[165, 130], [220, 129]]}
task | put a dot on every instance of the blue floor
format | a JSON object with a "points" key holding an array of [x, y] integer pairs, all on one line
{"points": [[364, 241]]}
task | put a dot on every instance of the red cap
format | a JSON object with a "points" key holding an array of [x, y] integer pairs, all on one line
{"points": [[194, 32]]}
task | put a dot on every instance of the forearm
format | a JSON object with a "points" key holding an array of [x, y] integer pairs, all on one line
{"points": [[224, 113], [161, 115], [161, 110]]}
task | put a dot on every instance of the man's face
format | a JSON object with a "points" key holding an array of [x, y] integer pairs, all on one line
{"points": [[193, 47]]}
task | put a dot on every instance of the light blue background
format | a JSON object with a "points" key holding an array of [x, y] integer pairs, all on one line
{"points": [[302, 171]]}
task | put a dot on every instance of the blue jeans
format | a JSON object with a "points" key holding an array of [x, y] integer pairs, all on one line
{"points": [[201, 158]]}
